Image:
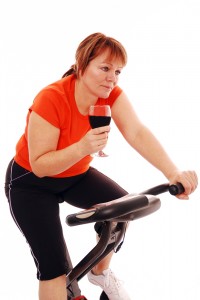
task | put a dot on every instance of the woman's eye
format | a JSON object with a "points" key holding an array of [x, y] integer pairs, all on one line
{"points": [[105, 69], [118, 72]]}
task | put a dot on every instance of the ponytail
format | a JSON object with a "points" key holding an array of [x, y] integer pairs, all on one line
{"points": [[72, 70]]}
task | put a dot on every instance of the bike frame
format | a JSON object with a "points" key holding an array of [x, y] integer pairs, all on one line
{"points": [[120, 211]]}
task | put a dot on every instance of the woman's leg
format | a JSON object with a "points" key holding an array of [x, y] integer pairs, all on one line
{"points": [[36, 213], [94, 188], [104, 264], [54, 289]]}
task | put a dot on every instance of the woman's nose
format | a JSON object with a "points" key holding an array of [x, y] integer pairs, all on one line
{"points": [[111, 77]]}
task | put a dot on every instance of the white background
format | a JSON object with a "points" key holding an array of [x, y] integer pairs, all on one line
{"points": [[160, 257]]}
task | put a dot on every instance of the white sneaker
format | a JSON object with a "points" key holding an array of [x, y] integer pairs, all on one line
{"points": [[112, 286]]}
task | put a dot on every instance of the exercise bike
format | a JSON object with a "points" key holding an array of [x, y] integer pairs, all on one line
{"points": [[119, 211]]}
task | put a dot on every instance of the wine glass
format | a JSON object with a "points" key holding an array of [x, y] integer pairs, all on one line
{"points": [[99, 116]]}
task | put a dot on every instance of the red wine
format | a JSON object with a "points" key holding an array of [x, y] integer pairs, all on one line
{"points": [[99, 121]]}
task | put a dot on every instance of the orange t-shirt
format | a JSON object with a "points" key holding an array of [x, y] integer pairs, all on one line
{"points": [[56, 104]]}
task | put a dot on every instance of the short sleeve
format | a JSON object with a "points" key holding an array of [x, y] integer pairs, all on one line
{"points": [[49, 105], [114, 94]]}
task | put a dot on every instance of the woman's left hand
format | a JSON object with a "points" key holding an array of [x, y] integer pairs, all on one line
{"points": [[188, 179]]}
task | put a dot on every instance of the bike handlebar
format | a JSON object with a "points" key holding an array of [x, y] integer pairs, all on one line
{"points": [[176, 189]]}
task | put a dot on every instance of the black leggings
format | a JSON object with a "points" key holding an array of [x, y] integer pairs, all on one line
{"points": [[34, 205]]}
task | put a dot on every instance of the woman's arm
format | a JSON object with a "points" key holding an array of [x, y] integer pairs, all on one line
{"points": [[43, 138], [148, 146], [45, 160]]}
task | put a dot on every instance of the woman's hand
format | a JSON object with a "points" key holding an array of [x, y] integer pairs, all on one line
{"points": [[188, 179], [94, 140]]}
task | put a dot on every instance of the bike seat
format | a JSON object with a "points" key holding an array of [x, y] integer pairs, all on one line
{"points": [[126, 208]]}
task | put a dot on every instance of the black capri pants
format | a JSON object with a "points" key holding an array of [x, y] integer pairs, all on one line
{"points": [[34, 206]]}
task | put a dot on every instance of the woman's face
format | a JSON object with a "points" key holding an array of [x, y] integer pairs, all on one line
{"points": [[101, 75]]}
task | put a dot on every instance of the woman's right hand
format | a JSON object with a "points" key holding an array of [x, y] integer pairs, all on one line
{"points": [[94, 140]]}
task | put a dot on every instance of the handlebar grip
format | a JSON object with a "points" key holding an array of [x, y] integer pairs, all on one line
{"points": [[176, 189]]}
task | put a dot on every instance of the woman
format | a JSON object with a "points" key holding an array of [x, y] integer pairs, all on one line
{"points": [[53, 156]]}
